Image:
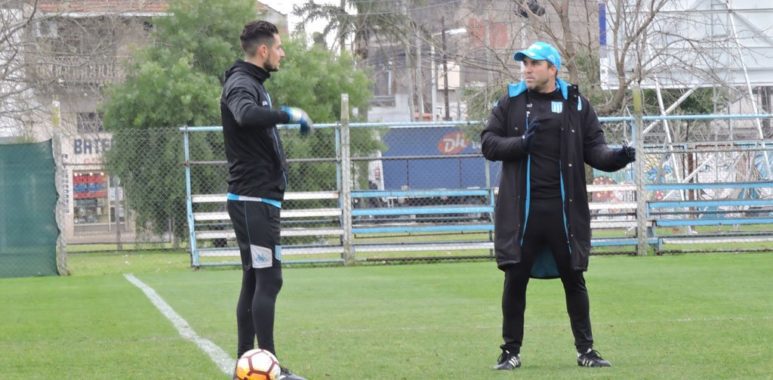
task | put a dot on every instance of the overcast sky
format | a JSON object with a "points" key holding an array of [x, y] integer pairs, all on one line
{"points": [[286, 7]]}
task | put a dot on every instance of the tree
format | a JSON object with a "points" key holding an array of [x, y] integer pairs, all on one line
{"points": [[368, 18], [16, 97], [171, 83], [314, 79], [174, 82], [207, 30], [143, 114], [642, 42]]}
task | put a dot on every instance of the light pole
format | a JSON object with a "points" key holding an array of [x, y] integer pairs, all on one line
{"points": [[445, 69], [442, 33]]}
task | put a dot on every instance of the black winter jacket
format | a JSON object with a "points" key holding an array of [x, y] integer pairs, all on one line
{"points": [[582, 141], [257, 166]]}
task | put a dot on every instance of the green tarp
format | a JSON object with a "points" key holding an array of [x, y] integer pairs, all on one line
{"points": [[28, 229]]}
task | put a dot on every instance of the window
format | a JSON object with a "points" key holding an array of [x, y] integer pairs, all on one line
{"points": [[89, 122], [46, 28], [90, 195]]}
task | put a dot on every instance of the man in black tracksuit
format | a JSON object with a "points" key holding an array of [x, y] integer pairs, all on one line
{"points": [[257, 181], [543, 131]]}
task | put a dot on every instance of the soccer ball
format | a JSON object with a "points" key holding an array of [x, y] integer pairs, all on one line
{"points": [[257, 364]]}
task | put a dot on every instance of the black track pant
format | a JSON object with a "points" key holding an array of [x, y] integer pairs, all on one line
{"points": [[545, 227], [257, 232]]}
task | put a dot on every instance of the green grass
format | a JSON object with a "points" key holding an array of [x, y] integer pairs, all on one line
{"points": [[667, 317], [102, 263], [107, 247], [89, 328]]}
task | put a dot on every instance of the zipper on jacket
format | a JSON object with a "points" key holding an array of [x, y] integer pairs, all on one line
{"points": [[528, 198], [563, 207], [279, 156], [276, 142], [528, 179]]}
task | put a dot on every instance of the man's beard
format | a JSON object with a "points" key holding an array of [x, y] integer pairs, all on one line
{"points": [[539, 86], [270, 68]]}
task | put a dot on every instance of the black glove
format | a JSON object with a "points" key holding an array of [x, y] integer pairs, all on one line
{"points": [[528, 136], [628, 153]]}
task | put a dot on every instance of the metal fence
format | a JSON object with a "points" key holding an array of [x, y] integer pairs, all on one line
{"points": [[377, 191], [423, 190], [122, 190]]}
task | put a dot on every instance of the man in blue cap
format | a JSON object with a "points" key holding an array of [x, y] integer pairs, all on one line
{"points": [[543, 131]]}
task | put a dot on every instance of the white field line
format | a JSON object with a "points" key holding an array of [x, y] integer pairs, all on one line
{"points": [[221, 359]]}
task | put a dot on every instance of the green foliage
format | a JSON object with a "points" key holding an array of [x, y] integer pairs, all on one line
{"points": [[480, 102], [369, 18], [587, 63], [158, 95], [143, 114], [699, 102], [208, 30], [174, 82], [314, 80]]}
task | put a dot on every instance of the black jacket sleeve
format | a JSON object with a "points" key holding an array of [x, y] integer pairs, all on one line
{"points": [[495, 144], [597, 153], [243, 104]]}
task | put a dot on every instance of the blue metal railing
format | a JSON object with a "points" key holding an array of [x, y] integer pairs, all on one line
{"points": [[486, 195]]}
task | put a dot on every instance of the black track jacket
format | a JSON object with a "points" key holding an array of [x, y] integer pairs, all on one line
{"points": [[257, 166], [582, 141]]}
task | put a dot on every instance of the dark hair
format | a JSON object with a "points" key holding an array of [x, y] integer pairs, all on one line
{"points": [[257, 33]]}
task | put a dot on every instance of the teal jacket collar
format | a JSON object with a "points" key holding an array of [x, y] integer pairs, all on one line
{"points": [[515, 89]]}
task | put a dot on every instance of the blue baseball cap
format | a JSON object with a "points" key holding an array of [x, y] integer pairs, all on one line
{"points": [[540, 51]]}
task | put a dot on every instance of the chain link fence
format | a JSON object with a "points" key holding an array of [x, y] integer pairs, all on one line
{"points": [[429, 193], [416, 189], [121, 190]]}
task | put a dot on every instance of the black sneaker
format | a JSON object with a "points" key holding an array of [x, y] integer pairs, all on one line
{"points": [[508, 361], [591, 359], [285, 374]]}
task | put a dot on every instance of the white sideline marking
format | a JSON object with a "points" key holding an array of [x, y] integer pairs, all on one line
{"points": [[223, 360]]}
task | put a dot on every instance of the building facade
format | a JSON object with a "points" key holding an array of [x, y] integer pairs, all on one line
{"points": [[73, 50]]}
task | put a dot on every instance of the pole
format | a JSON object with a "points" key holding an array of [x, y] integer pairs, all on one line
{"points": [[486, 45], [189, 200], [411, 88], [641, 200], [419, 77], [445, 68], [433, 90], [341, 35], [117, 213], [731, 15], [409, 62], [346, 182]]}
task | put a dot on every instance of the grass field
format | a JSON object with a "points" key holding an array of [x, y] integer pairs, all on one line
{"points": [[667, 317]]}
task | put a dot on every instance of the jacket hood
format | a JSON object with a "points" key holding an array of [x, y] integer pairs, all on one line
{"points": [[247, 68]]}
